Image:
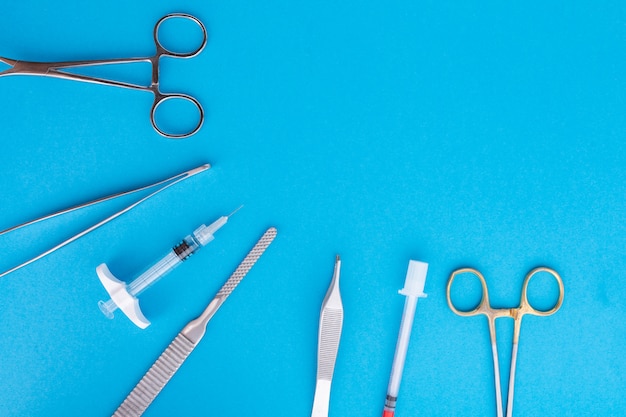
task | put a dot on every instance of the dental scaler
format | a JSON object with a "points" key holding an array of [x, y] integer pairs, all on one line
{"points": [[124, 296]]}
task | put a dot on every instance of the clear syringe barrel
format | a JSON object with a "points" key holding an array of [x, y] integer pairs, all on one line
{"points": [[190, 244], [402, 345], [174, 257], [413, 289]]}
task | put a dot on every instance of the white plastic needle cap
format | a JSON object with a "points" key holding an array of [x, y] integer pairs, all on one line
{"points": [[415, 279]]}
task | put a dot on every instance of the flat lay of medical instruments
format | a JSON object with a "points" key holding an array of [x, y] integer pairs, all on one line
{"points": [[517, 313], [184, 343], [62, 70], [329, 334], [124, 296], [160, 186], [413, 289]]}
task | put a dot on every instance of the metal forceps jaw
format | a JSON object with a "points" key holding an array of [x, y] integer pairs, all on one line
{"points": [[60, 70], [517, 313]]}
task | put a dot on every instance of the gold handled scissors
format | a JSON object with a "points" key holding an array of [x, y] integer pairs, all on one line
{"points": [[484, 307], [59, 70]]}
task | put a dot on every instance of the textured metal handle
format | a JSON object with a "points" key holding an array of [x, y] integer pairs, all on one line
{"points": [[155, 379], [330, 334], [173, 357]]}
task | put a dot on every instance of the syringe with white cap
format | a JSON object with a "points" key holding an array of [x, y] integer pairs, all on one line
{"points": [[124, 296], [413, 289]]}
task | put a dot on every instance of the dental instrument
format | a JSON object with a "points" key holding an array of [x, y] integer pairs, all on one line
{"points": [[125, 296], [329, 334], [413, 289], [161, 185], [184, 343]]}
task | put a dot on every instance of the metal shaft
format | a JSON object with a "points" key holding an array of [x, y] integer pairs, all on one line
{"points": [[177, 352], [162, 185]]}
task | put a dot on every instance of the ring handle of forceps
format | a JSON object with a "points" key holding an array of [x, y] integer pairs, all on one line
{"points": [[483, 306], [163, 51], [159, 99], [525, 306]]}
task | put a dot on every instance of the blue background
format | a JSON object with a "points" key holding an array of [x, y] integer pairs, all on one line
{"points": [[482, 134]]}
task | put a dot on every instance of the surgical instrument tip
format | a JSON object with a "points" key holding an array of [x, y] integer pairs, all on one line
{"points": [[199, 169]]}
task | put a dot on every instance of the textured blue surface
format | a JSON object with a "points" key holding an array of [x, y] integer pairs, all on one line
{"points": [[482, 134]]}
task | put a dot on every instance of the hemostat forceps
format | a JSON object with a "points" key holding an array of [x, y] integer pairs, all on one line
{"points": [[60, 70], [517, 313]]}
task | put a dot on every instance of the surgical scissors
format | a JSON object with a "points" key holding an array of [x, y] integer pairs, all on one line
{"points": [[59, 70], [517, 313]]}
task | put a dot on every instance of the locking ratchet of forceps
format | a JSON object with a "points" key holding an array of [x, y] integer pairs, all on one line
{"points": [[59, 70], [517, 313]]}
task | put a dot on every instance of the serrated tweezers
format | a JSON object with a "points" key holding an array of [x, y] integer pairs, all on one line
{"points": [[173, 357], [331, 322]]}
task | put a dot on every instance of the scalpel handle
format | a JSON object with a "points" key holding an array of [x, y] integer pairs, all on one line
{"points": [[156, 378], [173, 357]]}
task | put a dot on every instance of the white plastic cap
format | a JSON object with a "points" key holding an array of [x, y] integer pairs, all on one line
{"points": [[415, 279]]}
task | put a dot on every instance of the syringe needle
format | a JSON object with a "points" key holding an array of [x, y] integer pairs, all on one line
{"points": [[413, 288], [235, 211]]}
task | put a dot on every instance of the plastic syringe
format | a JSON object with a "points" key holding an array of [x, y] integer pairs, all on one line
{"points": [[124, 296], [413, 289]]}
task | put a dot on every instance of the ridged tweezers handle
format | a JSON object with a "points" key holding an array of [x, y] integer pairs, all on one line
{"points": [[155, 379], [330, 334]]}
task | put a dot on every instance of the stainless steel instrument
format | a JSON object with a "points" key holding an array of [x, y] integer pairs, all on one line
{"points": [[63, 70], [331, 322], [157, 186], [173, 357], [517, 313]]}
